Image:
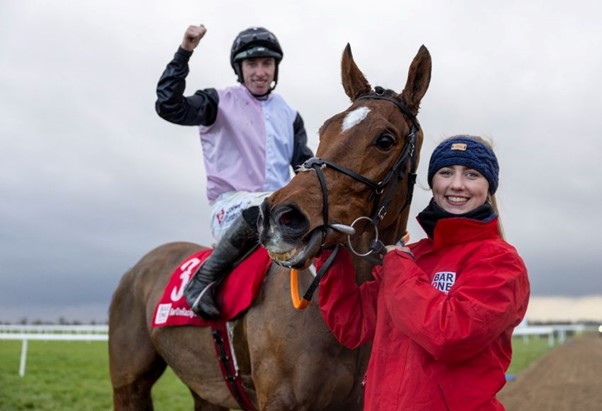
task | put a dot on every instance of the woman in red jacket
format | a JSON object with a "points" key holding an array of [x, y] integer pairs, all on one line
{"points": [[439, 313]]}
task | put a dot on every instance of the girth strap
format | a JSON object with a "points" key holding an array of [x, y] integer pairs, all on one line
{"points": [[226, 360]]}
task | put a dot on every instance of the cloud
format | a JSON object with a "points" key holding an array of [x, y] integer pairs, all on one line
{"points": [[92, 178]]}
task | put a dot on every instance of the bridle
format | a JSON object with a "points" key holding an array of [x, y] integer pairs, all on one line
{"points": [[394, 176]]}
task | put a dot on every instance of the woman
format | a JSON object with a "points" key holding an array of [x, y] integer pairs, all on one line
{"points": [[440, 312]]}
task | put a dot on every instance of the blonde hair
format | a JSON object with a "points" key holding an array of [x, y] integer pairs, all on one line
{"points": [[491, 199]]}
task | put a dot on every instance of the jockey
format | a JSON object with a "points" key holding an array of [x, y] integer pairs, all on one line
{"points": [[251, 140]]}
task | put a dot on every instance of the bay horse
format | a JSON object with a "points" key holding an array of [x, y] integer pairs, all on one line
{"points": [[287, 358]]}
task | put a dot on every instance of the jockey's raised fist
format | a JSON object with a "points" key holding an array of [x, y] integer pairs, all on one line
{"points": [[193, 36]]}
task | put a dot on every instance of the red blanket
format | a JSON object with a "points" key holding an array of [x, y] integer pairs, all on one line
{"points": [[234, 295]]}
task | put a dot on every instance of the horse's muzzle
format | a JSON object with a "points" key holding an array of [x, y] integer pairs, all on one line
{"points": [[283, 231]]}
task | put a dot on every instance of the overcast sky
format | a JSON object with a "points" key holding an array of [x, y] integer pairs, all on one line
{"points": [[92, 178]]}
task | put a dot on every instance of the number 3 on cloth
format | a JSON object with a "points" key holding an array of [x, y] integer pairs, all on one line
{"points": [[187, 269]]}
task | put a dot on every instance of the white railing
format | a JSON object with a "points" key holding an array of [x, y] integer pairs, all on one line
{"points": [[55, 329], [24, 333], [553, 332]]}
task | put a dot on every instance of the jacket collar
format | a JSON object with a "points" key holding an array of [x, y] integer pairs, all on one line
{"points": [[451, 231]]}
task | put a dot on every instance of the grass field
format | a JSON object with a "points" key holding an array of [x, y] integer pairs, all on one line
{"points": [[74, 376], [71, 376], [524, 353]]}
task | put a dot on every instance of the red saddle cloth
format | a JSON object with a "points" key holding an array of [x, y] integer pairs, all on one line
{"points": [[234, 295]]}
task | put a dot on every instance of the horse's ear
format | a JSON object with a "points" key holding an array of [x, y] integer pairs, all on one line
{"points": [[354, 82], [419, 77]]}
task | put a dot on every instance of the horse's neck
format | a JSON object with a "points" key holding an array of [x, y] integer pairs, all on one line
{"points": [[363, 269]]}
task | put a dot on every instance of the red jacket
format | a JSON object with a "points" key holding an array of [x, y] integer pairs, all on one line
{"points": [[441, 325]]}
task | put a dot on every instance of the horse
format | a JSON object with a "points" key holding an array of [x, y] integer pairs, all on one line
{"points": [[287, 359]]}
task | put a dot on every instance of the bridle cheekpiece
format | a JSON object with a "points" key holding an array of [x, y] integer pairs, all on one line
{"points": [[395, 174]]}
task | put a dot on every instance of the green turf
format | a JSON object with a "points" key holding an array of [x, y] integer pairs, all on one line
{"points": [[74, 376], [70, 375], [525, 351]]}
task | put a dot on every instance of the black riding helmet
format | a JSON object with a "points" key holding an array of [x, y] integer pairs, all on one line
{"points": [[255, 42]]}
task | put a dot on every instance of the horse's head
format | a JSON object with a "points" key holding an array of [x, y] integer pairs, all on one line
{"points": [[363, 173]]}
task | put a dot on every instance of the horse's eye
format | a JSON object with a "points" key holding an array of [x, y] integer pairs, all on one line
{"points": [[385, 141]]}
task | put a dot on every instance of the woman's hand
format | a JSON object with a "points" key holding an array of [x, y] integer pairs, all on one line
{"points": [[398, 247], [401, 246]]}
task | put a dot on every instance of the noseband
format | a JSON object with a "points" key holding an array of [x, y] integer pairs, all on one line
{"points": [[396, 173]]}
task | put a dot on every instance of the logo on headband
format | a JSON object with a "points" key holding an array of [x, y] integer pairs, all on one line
{"points": [[459, 146]]}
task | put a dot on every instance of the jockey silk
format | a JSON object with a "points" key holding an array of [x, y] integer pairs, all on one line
{"points": [[245, 132]]}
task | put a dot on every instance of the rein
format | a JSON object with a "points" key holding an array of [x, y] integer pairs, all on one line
{"points": [[407, 154]]}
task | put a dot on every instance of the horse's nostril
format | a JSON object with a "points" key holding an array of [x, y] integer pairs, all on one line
{"points": [[285, 219], [291, 221]]}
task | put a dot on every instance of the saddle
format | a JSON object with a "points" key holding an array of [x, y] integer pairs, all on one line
{"points": [[234, 296]]}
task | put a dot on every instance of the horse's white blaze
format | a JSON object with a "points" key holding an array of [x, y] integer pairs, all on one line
{"points": [[355, 117]]}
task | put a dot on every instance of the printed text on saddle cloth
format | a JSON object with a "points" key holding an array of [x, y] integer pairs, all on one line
{"points": [[175, 310]]}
